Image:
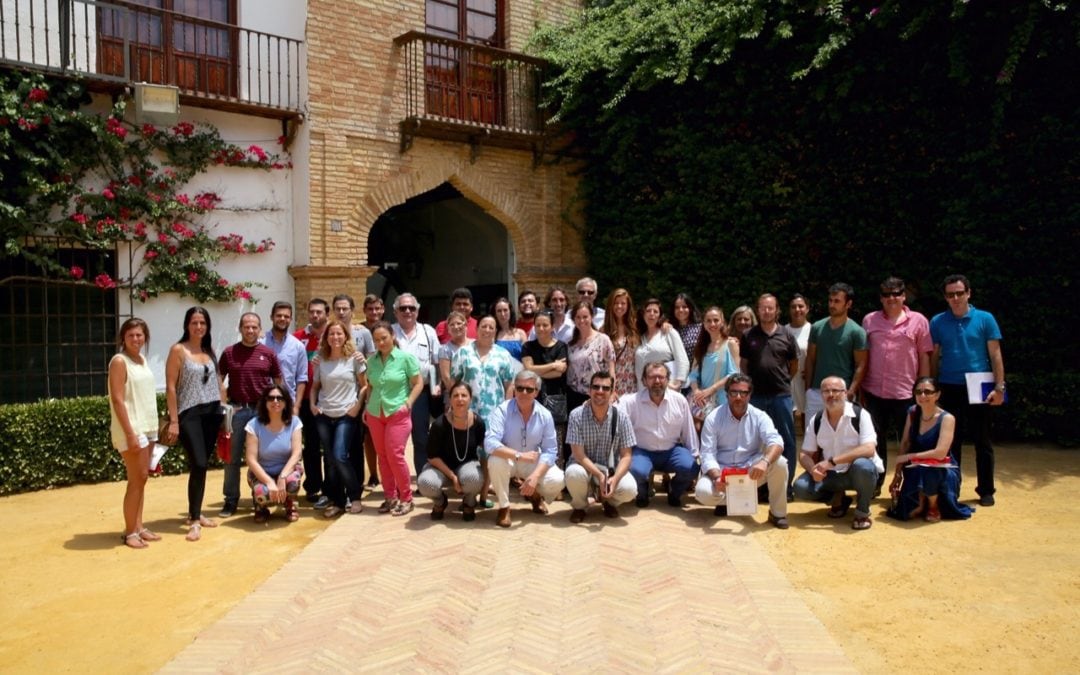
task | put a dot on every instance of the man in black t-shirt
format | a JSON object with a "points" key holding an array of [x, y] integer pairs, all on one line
{"points": [[769, 354]]}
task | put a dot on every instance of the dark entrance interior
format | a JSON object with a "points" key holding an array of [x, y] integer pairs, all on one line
{"points": [[434, 243]]}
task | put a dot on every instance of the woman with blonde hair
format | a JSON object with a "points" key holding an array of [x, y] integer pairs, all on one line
{"points": [[335, 402], [133, 421]]}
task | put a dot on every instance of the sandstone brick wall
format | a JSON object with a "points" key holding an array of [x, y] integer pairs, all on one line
{"points": [[356, 85]]}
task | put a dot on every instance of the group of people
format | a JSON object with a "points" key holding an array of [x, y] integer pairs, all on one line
{"points": [[553, 395]]}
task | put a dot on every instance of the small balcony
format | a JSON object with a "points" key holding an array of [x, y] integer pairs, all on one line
{"points": [[113, 44], [465, 92]]}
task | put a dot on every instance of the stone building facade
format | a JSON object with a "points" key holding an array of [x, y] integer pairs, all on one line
{"points": [[359, 167]]}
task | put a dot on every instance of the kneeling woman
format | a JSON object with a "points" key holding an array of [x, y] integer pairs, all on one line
{"points": [[927, 480], [452, 455], [272, 448]]}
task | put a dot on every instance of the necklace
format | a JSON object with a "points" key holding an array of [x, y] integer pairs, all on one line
{"points": [[932, 416], [453, 435]]}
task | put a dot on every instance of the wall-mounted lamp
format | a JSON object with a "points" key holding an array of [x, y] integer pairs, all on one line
{"points": [[156, 104]]}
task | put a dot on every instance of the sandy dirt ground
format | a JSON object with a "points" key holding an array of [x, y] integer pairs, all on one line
{"points": [[997, 593]]}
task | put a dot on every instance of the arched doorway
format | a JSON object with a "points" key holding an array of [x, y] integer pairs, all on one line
{"points": [[436, 242]]}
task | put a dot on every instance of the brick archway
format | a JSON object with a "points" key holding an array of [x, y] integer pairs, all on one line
{"points": [[471, 182]]}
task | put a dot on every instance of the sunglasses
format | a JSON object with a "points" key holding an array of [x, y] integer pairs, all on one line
{"points": [[586, 292], [524, 390], [925, 392], [600, 387], [406, 308], [205, 373], [951, 295], [892, 294], [736, 393], [275, 398]]}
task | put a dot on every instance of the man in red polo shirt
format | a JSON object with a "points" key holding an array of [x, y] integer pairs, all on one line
{"points": [[318, 316], [250, 368]]}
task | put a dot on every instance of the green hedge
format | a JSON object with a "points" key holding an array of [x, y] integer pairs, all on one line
{"points": [[63, 442]]}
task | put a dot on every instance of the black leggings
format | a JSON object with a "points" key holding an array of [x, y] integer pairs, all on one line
{"points": [[198, 433]]}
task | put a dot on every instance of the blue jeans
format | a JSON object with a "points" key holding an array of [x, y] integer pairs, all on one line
{"points": [[421, 421], [335, 434], [779, 409], [861, 477], [678, 459], [231, 489]]}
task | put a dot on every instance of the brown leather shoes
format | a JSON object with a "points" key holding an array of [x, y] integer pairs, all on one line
{"points": [[538, 505], [503, 517], [610, 511], [577, 516]]}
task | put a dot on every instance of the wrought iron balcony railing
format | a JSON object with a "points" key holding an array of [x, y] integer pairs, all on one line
{"points": [[116, 43], [463, 91]]}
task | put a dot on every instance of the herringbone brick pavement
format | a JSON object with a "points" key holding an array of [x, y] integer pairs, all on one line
{"points": [[655, 591]]}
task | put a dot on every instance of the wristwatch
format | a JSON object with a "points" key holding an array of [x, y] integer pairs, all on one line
{"points": [[832, 461], [1000, 387], [517, 456]]}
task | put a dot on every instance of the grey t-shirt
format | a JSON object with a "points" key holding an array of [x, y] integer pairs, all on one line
{"points": [[338, 388]]}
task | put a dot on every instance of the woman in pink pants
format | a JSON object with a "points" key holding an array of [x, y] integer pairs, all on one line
{"points": [[394, 378]]}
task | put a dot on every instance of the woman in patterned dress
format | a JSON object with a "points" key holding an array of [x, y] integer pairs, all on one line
{"points": [[621, 329]]}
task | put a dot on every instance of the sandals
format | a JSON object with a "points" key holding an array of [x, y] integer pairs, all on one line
{"points": [[133, 540], [840, 510], [402, 508], [355, 507], [333, 511], [262, 515], [468, 513], [388, 505], [933, 515], [861, 523], [195, 531], [147, 535]]}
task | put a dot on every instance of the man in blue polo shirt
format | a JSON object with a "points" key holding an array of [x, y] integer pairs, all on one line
{"points": [[968, 340]]}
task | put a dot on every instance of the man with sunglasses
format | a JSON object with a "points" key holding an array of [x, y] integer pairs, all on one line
{"points": [[899, 348], [418, 339], [587, 292], [520, 442], [600, 440], [250, 368], [739, 436], [968, 340]]}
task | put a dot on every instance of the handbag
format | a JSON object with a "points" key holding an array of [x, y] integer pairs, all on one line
{"points": [[556, 405]]}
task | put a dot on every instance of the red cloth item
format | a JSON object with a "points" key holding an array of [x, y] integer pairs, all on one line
{"points": [[224, 446]]}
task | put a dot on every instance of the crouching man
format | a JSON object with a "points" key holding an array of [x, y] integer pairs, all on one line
{"points": [[739, 436], [839, 453], [520, 442], [600, 440]]}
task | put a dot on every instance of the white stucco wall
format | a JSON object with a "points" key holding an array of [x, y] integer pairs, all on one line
{"points": [[255, 204]]}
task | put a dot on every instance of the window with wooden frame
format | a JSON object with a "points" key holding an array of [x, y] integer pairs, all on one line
{"points": [[191, 44], [462, 82]]}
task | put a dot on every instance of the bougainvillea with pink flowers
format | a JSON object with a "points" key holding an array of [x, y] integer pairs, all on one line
{"points": [[97, 181]]}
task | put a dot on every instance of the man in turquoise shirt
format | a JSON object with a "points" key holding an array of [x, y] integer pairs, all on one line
{"points": [[968, 340]]}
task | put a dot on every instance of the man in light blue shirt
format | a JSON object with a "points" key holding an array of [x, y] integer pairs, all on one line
{"points": [[291, 353], [520, 442], [739, 436]]}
